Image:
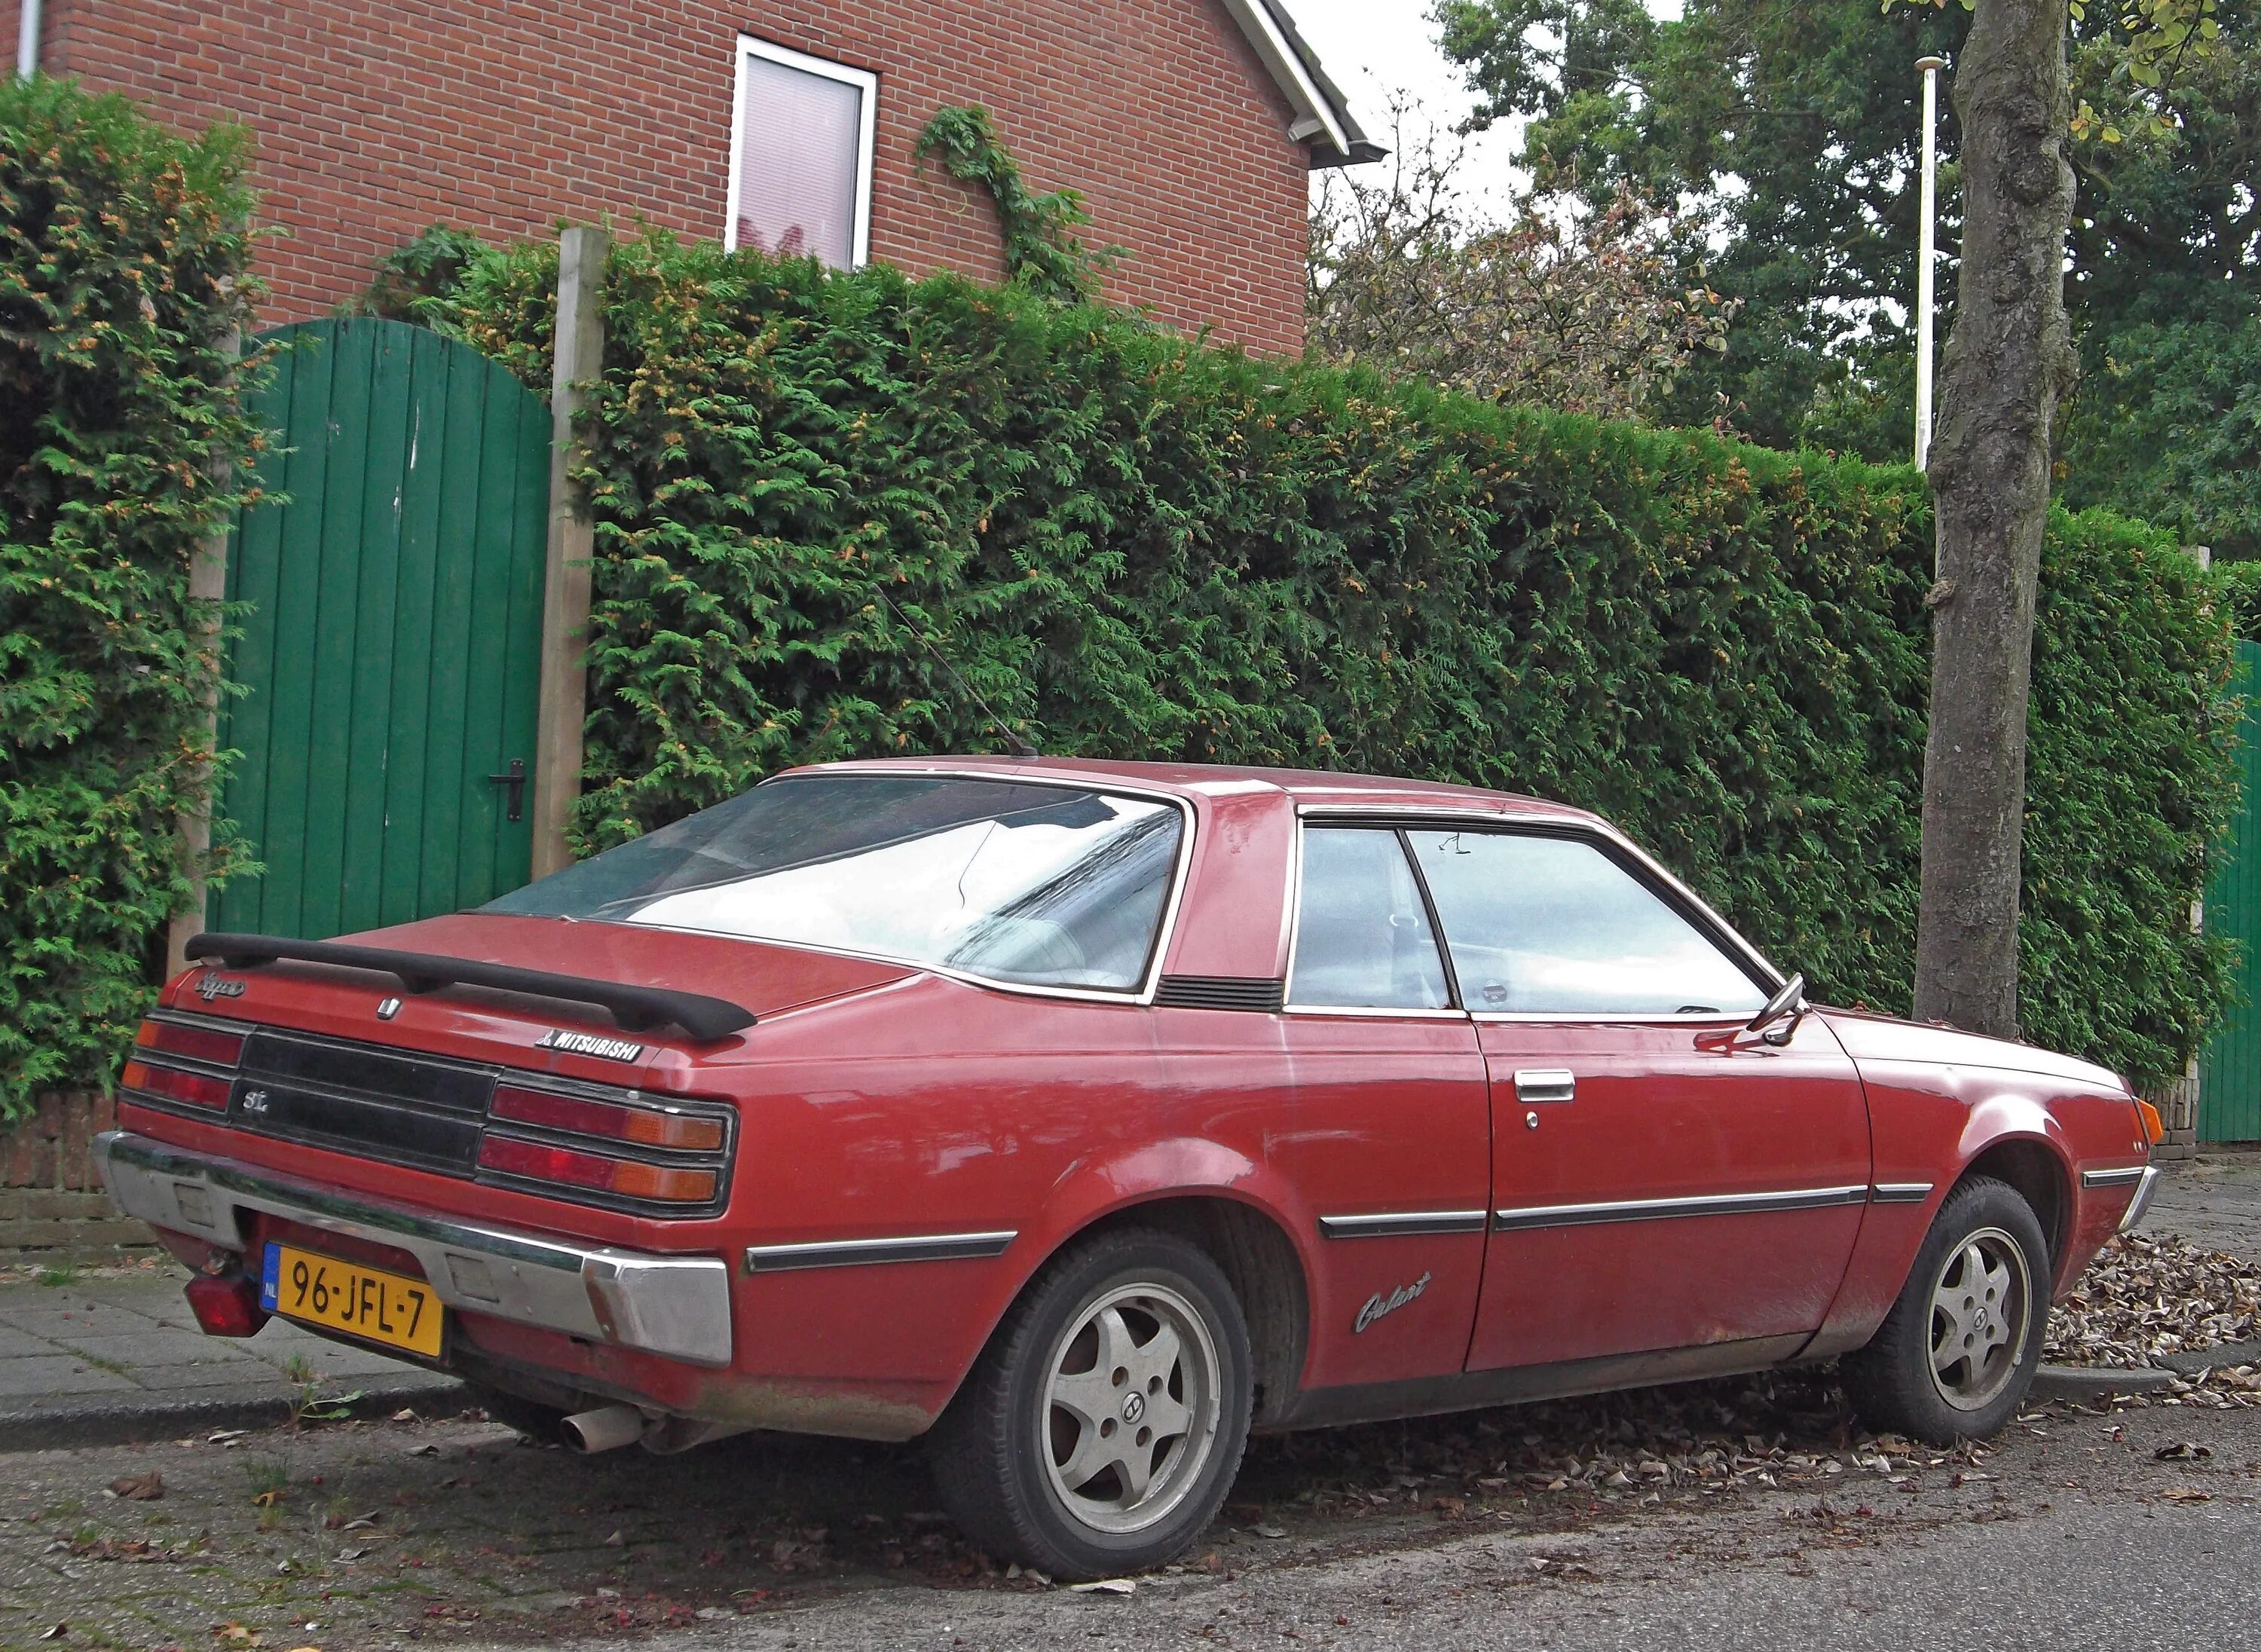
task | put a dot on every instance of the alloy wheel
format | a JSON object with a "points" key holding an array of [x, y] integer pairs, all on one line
{"points": [[1981, 1306], [1131, 1408]]}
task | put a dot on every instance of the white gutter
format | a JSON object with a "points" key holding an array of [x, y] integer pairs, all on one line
{"points": [[28, 39], [1313, 113]]}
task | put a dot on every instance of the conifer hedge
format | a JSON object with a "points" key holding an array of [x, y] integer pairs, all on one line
{"points": [[122, 270], [1136, 546]]}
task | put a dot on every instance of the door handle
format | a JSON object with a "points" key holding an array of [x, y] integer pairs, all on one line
{"points": [[514, 778], [1545, 1084]]}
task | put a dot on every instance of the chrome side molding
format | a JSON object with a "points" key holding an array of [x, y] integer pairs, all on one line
{"points": [[2124, 1176], [922, 1247], [1899, 1192], [1402, 1223], [1537, 1216]]}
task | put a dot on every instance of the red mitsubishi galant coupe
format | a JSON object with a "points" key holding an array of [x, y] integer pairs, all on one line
{"points": [[1082, 1116]]}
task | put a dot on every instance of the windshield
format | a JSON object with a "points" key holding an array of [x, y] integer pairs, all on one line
{"points": [[1044, 886]]}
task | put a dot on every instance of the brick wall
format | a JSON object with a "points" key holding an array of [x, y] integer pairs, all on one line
{"points": [[503, 116], [50, 1198]]}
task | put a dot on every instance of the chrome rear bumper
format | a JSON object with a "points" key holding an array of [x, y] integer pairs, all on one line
{"points": [[676, 1306]]}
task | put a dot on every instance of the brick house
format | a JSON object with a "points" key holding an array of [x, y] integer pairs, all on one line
{"points": [[1189, 126]]}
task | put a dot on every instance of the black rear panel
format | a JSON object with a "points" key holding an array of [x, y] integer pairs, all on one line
{"points": [[402, 1109]]}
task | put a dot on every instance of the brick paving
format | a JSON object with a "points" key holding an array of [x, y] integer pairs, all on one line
{"points": [[114, 1352]]}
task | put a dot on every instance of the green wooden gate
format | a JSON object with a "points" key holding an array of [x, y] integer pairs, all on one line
{"points": [[2229, 1087], [391, 653]]}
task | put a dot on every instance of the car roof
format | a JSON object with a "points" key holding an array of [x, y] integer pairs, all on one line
{"points": [[1318, 786]]}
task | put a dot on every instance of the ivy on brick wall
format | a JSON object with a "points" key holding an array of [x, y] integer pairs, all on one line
{"points": [[1139, 547], [122, 272], [1044, 250]]}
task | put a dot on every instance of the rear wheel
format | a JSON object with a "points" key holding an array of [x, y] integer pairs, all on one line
{"points": [[1103, 1426], [1955, 1357]]}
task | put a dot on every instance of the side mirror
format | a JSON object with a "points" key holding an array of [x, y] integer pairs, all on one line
{"points": [[1789, 1001]]}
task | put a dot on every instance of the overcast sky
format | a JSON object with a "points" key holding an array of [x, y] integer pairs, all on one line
{"points": [[1374, 47]]}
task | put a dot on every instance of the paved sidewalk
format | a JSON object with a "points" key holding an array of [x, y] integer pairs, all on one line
{"points": [[114, 1353]]}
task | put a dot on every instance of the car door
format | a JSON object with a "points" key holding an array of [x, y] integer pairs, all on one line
{"points": [[1662, 1178], [1389, 1137]]}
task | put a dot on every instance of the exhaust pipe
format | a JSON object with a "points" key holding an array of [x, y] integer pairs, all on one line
{"points": [[607, 1428]]}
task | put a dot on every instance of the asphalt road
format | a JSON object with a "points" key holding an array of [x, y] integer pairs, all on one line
{"points": [[2118, 1529], [2084, 1540]]}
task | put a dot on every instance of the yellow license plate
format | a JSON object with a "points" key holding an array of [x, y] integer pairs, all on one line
{"points": [[369, 1303]]}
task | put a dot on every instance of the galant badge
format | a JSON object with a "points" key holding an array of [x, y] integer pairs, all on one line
{"points": [[1378, 1305], [211, 986]]}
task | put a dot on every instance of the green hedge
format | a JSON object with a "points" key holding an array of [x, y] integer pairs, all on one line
{"points": [[2241, 582], [1140, 547], [122, 267]]}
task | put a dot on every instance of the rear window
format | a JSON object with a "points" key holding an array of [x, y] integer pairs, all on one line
{"points": [[1043, 886]]}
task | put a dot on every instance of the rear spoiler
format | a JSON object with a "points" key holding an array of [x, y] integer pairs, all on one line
{"points": [[636, 1008]]}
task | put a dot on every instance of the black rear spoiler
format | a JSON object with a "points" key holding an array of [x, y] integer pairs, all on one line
{"points": [[637, 1008]]}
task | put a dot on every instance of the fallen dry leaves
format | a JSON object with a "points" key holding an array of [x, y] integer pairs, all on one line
{"points": [[2149, 1295]]}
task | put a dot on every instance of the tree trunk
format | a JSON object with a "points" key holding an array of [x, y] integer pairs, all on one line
{"points": [[2007, 364]]}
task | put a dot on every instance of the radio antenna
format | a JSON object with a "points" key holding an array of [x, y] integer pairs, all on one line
{"points": [[1019, 746]]}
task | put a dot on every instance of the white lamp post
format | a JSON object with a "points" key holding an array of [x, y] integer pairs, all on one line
{"points": [[1930, 68]]}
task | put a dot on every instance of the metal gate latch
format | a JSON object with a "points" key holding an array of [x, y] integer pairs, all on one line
{"points": [[515, 779]]}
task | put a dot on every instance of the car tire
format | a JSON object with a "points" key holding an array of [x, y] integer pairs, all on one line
{"points": [[1956, 1356], [1103, 1424]]}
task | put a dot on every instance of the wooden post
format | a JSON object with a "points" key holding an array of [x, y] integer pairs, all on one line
{"points": [[208, 585], [564, 708], [2178, 1104]]}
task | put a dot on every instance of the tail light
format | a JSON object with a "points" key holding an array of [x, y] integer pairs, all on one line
{"points": [[222, 1046], [644, 1126], [226, 1305], [172, 1084], [609, 1148], [181, 1062]]}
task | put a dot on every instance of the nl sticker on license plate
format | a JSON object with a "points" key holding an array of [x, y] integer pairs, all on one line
{"points": [[369, 1303]]}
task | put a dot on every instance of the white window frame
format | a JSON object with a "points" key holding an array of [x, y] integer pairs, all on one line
{"points": [[867, 83]]}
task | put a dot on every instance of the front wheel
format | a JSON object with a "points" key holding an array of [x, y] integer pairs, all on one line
{"points": [[1955, 1357], [1103, 1424]]}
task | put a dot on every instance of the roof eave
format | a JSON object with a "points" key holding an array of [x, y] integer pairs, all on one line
{"points": [[1323, 118]]}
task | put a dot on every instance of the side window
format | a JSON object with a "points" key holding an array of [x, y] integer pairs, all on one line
{"points": [[1363, 935], [1553, 925]]}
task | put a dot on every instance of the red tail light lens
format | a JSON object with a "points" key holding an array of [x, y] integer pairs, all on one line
{"points": [[646, 1127], [627, 1178], [193, 1089], [215, 1045], [226, 1307]]}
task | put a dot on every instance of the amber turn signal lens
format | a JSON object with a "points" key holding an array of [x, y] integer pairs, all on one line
{"points": [[2153, 1128], [563, 1165], [646, 1127], [664, 1181]]}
